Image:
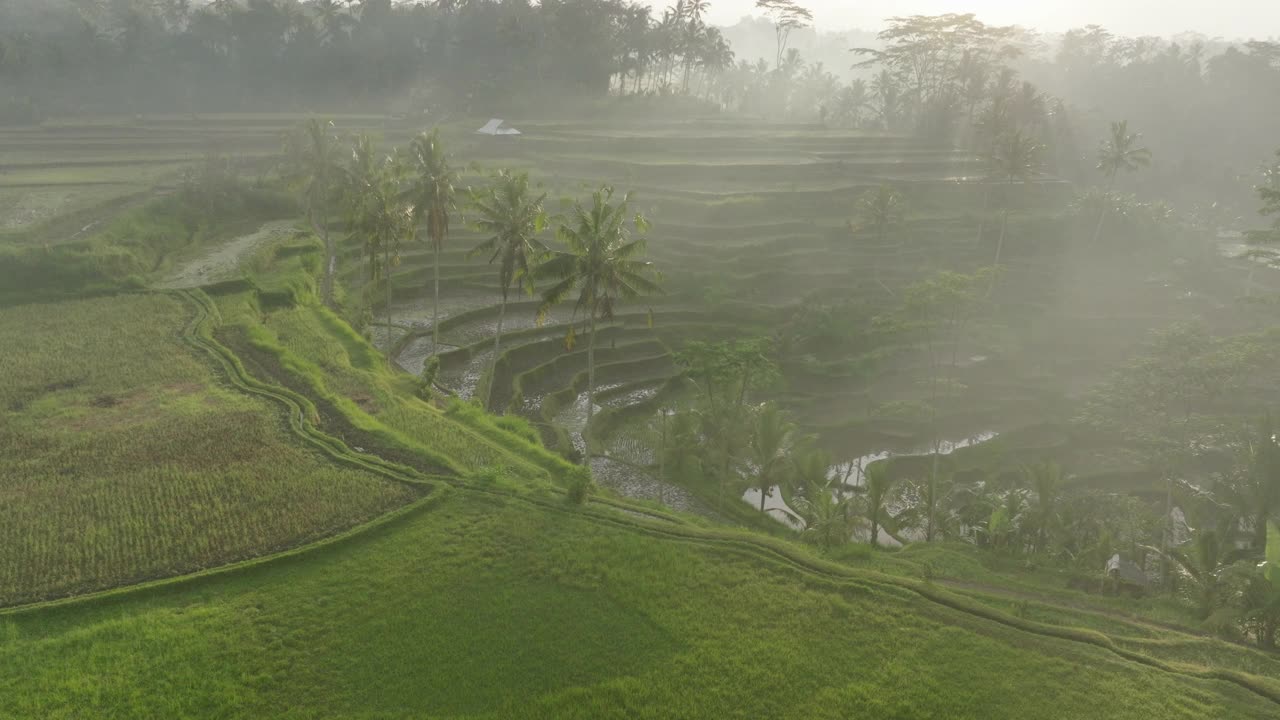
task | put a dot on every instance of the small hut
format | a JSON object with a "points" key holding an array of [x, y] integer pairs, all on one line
{"points": [[1126, 575], [495, 127]]}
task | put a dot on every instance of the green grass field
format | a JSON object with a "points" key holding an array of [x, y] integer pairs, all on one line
{"points": [[310, 538], [491, 608]]}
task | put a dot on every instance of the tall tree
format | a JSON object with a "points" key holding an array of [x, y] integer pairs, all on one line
{"points": [[878, 484], [1254, 488], [512, 217], [787, 16], [313, 167], [772, 435], [818, 499], [430, 192], [881, 209], [1016, 159], [724, 374], [603, 263], [379, 217], [1119, 152], [1045, 482], [938, 309]]}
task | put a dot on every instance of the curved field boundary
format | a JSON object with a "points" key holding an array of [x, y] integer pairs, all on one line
{"points": [[300, 409], [652, 523], [781, 553], [296, 408]]}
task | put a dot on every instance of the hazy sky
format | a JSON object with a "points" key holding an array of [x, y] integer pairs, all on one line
{"points": [[1231, 19]]}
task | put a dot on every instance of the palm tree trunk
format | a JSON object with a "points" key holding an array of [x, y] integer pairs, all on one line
{"points": [[330, 265], [1004, 229], [1102, 215], [497, 346], [591, 389], [875, 527], [986, 208], [386, 258], [435, 303], [931, 501], [764, 491], [662, 458]]}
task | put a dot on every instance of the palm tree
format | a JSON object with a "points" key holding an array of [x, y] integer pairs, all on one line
{"points": [[360, 175], [603, 264], [818, 499], [512, 218], [312, 167], [771, 442], [1045, 480], [1016, 159], [1254, 491], [888, 96], [1202, 562], [878, 484], [431, 192], [882, 209], [1120, 152], [378, 215]]}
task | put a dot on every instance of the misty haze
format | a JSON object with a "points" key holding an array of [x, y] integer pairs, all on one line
{"points": [[625, 359]]}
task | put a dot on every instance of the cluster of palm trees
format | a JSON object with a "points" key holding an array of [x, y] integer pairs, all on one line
{"points": [[388, 200], [675, 53]]}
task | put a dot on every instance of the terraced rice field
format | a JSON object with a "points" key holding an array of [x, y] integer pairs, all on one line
{"points": [[135, 460], [752, 222], [126, 460]]}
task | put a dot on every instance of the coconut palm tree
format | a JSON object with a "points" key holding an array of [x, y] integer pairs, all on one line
{"points": [[430, 193], [603, 263], [512, 217], [313, 167], [378, 215], [881, 209], [818, 500], [1045, 481], [1254, 489], [1016, 159], [772, 437], [359, 177], [1202, 561], [878, 484], [1119, 152]]}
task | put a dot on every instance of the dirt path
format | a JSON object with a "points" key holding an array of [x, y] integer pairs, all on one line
{"points": [[1075, 606], [223, 261]]}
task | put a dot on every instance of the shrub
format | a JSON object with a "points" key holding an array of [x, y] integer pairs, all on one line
{"points": [[490, 475], [580, 485], [517, 425]]}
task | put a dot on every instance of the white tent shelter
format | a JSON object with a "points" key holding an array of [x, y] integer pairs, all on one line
{"points": [[494, 127]]}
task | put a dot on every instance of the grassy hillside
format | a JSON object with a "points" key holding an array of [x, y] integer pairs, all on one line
{"points": [[482, 607], [284, 525]]}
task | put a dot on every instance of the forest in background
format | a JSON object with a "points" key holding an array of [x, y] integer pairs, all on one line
{"points": [[1206, 108]]}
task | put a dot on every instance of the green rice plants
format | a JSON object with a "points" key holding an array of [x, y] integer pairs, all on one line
{"points": [[124, 460]]}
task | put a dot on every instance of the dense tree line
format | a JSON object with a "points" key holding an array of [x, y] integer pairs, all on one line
{"points": [[1207, 110], [71, 55]]}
